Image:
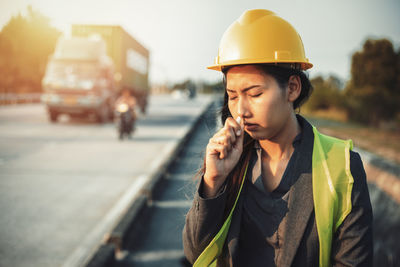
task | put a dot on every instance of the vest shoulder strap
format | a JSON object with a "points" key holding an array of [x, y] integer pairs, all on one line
{"points": [[332, 186], [211, 253]]}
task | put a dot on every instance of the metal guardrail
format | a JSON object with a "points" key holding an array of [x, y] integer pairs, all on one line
{"points": [[12, 99]]}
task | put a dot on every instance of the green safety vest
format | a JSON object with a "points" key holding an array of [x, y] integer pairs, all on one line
{"points": [[332, 184]]}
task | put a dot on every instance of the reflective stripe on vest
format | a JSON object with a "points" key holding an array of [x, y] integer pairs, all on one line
{"points": [[332, 184]]}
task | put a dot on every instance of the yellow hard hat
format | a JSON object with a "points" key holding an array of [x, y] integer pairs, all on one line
{"points": [[260, 36]]}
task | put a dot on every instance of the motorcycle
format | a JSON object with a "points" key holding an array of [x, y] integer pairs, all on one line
{"points": [[125, 120]]}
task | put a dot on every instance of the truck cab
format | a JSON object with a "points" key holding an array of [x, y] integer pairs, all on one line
{"points": [[79, 79]]}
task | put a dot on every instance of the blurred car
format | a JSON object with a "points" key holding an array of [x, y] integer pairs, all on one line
{"points": [[180, 94]]}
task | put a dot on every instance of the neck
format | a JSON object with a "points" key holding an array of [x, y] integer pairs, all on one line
{"points": [[280, 146]]}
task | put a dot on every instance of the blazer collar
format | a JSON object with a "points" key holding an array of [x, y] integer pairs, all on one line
{"points": [[300, 208], [300, 203]]}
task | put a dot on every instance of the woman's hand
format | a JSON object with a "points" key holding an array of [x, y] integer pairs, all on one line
{"points": [[222, 154]]}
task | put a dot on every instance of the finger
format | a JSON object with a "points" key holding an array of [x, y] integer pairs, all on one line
{"points": [[217, 149], [239, 141], [223, 143], [225, 132], [231, 123], [230, 132], [240, 121], [223, 140]]}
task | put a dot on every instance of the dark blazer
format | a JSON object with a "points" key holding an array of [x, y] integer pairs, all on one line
{"points": [[351, 244]]}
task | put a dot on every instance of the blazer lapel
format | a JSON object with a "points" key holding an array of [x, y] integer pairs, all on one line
{"points": [[300, 205], [300, 208]]}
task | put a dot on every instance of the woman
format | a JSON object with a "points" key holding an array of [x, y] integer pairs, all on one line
{"points": [[274, 191]]}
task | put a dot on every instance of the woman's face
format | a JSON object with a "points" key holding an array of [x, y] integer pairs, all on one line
{"points": [[258, 99]]}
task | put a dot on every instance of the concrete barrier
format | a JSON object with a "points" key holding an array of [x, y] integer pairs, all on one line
{"points": [[13, 99]]}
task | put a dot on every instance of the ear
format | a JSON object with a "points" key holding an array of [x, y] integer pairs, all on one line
{"points": [[294, 88]]}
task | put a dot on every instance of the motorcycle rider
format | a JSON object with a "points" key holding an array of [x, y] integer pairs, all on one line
{"points": [[127, 98]]}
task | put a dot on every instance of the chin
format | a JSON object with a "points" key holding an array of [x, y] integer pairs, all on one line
{"points": [[259, 135], [256, 135]]}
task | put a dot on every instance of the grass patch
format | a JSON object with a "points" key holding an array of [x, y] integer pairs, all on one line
{"points": [[384, 143]]}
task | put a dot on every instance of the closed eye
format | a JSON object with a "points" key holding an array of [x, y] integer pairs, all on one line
{"points": [[256, 95]]}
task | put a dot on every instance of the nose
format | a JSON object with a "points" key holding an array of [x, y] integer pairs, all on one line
{"points": [[243, 107]]}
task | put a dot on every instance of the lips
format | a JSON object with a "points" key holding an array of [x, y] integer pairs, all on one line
{"points": [[250, 126]]}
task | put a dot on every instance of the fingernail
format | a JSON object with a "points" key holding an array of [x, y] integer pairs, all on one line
{"points": [[238, 119]]}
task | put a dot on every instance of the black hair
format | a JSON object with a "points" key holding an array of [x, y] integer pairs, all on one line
{"points": [[281, 75]]}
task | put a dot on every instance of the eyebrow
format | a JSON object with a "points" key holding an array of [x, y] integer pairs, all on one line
{"points": [[245, 89]]}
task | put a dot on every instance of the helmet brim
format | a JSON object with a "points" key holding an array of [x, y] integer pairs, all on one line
{"points": [[219, 67]]}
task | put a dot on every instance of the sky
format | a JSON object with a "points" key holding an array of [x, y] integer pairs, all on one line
{"points": [[183, 35]]}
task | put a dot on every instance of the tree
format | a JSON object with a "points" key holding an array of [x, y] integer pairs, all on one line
{"points": [[25, 45], [213, 87], [373, 92], [326, 93]]}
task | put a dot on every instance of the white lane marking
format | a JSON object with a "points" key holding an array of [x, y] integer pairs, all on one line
{"points": [[85, 249], [172, 204], [157, 255]]}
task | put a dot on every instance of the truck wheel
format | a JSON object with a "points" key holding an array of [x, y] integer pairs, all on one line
{"points": [[53, 116]]}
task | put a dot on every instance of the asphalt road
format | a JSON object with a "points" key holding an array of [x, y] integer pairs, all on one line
{"points": [[61, 185]]}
